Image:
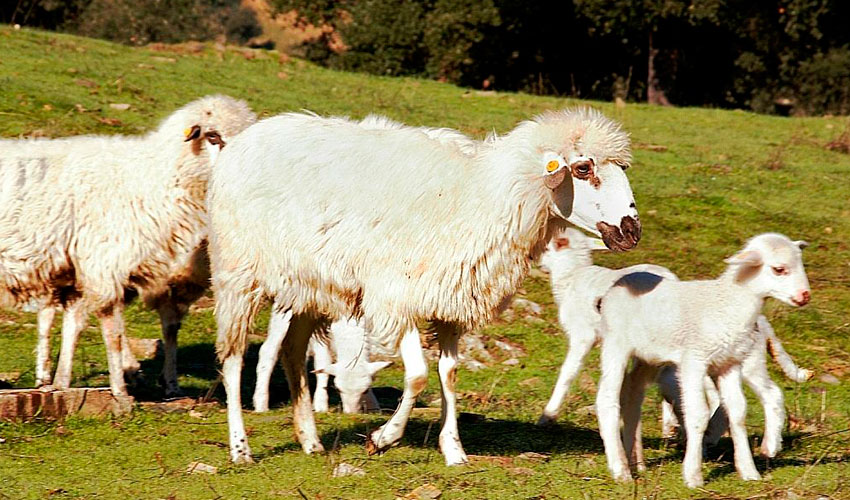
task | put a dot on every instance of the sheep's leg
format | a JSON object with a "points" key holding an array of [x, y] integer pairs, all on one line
{"points": [[415, 379], [73, 322], [42, 349], [321, 361], [231, 372], [450, 443], [671, 406], [294, 359], [695, 413], [669, 422], [111, 325], [631, 399], [733, 399], [613, 365], [269, 352], [370, 402], [754, 372], [717, 426], [581, 341], [170, 318], [129, 364]]}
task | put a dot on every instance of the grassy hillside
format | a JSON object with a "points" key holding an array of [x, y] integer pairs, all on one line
{"points": [[705, 181]]}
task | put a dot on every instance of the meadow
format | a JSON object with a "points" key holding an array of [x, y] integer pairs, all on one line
{"points": [[705, 180]]}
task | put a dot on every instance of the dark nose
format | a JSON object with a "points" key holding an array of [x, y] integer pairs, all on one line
{"points": [[630, 227], [620, 238]]}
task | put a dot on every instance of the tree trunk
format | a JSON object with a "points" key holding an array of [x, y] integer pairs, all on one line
{"points": [[654, 94]]}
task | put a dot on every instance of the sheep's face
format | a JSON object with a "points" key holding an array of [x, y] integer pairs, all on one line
{"points": [[211, 140], [352, 380], [568, 249], [599, 199], [771, 265]]}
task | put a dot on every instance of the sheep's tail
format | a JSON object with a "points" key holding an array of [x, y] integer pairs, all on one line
{"points": [[778, 353], [235, 310]]}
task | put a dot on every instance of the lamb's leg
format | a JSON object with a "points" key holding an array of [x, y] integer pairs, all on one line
{"points": [[450, 443], [733, 399], [294, 362], [581, 341], [111, 325], [170, 318], [695, 413], [321, 361], [778, 353], [269, 352], [231, 372], [73, 322], [671, 406], [613, 365], [631, 399], [42, 350], [415, 379], [754, 372]]}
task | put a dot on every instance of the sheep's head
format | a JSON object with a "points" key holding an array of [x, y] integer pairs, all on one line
{"points": [[568, 249], [771, 265], [352, 380], [212, 121], [583, 158]]}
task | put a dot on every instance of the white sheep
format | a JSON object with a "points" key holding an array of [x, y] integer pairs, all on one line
{"points": [[578, 287], [353, 372], [335, 220], [754, 373], [83, 218], [703, 327]]}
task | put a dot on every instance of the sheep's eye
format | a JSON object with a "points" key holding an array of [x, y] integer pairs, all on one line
{"points": [[214, 138], [779, 270], [582, 169]]}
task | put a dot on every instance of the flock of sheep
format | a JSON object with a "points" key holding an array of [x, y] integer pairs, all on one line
{"points": [[357, 231]]}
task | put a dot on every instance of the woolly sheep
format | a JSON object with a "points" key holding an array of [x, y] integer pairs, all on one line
{"points": [[754, 373], [393, 227], [82, 218], [703, 327], [353, 372]]}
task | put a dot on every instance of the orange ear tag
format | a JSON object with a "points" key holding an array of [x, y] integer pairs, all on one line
{"points": [[554, 162]]}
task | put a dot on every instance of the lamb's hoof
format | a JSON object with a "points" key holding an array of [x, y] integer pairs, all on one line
{"points": [[546, 420], [371, 446], [751, 476], [804, 375], [623, 477], [456, 461], [694, 482], [46, 388], [240, 458], [769, 451]]}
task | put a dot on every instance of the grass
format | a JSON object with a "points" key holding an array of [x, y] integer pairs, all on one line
{"points": [[705, 181]]}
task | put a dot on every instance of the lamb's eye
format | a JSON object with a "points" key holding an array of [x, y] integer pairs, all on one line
{"points": [[779, 270]]}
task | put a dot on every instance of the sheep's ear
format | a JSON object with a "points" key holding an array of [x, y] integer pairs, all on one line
{"points": [[556, 169], [801, 244], [561, 242], [376, 366], [750, 258], [597, 244], [192, 133], [329, 370]]}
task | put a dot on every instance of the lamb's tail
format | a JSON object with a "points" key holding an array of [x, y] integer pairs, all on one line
{"points": [[778, 353]]}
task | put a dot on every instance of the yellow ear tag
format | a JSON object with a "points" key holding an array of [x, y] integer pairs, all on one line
{"points": [[553, 162], [552, 166], [187, 132]]}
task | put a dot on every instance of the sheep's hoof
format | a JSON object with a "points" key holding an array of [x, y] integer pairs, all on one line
{"points": [[371, 446], [242, 458]]}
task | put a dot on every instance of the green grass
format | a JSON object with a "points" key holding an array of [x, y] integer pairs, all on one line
{"points": [[701, 196]]}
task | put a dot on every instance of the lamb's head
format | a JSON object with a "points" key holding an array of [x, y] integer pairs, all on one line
{"points": [[352, 380], [771, 265], [583, 157], [569, 249], [210, 122]]}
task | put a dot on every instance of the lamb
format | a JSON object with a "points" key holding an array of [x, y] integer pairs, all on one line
{"points": [[83, 218], [391, 227], [703, 327], [578, 286], [754, 373], [353, 372]]}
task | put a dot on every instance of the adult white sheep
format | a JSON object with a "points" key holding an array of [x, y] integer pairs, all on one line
{"points": [[703, 327], [109, 213], [334, 220]]}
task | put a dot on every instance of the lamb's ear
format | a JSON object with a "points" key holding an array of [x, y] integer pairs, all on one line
{"points": [[801, 244], [376, 366], [192, 133], [556, 169], [749, 258], [329, 370]]}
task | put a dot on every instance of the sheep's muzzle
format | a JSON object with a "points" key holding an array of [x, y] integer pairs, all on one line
{"points": [[620, 239]]}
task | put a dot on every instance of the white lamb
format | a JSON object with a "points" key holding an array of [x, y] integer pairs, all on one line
{"points": [[83, 218], [703, 327], [754, 373], [335, 220], [353, 372]]}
